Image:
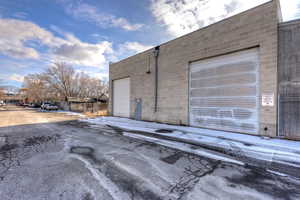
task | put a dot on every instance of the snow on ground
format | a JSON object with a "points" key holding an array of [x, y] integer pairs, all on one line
{"points": [[70, 113], [183, 130], [271, 150]]}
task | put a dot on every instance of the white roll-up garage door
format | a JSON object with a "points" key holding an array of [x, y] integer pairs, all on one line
{"points": [[121, 97], [224, 92]]}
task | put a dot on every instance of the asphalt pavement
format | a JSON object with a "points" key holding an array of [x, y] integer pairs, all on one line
{"points": [[50, 155]]}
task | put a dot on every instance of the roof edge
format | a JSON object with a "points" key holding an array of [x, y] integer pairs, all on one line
{"points": [[291, 22]]}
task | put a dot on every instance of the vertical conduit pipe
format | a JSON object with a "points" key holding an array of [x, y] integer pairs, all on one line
{"points": [[156, 54]]}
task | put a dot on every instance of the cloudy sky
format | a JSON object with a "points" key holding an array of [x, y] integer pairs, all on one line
{"points": [[88, 34]]}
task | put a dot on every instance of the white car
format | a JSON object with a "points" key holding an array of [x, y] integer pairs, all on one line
{"points": [[2, 103], [50, 107], [43, 106]]}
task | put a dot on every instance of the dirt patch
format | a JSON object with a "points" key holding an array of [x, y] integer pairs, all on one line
{"points": [[87, 196], [82, 150], [38, 140], [149, 144], [116, 129], [196, 169], [164, 131], [172, 159], [8, 147], [247, 144], [75, 123], [100, 113]]}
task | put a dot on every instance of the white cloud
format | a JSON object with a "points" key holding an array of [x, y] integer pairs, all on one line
{"points": [[24, 39], [76, 52], [135, 47], [16, 37], [128, 49], [80, 53], [122, 51], [290, 9], [16, 77], [15, 33], [90, 13], [100, 75], [182, 16]]}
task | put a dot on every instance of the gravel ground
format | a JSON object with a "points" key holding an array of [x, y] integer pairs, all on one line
{"points": [[53, 156]]}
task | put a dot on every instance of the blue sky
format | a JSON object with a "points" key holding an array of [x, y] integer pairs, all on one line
{"points": [[88, 34]]}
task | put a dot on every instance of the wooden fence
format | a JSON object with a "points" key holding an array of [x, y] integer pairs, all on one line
{"points": [[84, 107]]}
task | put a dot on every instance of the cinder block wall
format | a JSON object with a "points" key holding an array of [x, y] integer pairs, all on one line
{"points": [[255, 27]]}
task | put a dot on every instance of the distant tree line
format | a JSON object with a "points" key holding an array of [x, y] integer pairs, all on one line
{"points": [[2, 94], [60, 82]]}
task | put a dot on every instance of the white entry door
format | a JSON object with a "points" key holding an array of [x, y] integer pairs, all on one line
{"points": [[121, 97], [224, 92]]}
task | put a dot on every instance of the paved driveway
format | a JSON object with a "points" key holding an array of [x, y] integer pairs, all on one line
{"points": [[52, 156]]}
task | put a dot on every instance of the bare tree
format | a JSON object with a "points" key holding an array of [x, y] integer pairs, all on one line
{"points": [[2, 94], [60, 82], [61, 78], [89, 87], [36, 89]]}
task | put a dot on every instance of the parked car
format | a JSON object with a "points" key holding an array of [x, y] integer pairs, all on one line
{"points": [[34, 105], [19, 104], [43, 106], [49, 106], [2, 103]]}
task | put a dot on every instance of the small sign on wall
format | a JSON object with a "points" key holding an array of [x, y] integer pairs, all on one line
{"points": [[267, 99]]}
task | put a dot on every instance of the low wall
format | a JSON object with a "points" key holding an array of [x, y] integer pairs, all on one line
{"points": [[87, 107]]}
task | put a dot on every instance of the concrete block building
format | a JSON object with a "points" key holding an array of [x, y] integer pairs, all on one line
{"points": [[223, 76]]}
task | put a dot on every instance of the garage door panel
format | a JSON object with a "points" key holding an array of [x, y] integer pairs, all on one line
{"points": [[240, 79], [121, 97], [224, 92], [229, 125], [239, 114], [221, 70], [233, 102]]}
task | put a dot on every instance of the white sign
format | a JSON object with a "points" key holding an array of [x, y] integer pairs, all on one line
{"points": [[267, 100]]}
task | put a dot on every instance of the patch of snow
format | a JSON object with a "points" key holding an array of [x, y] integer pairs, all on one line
{"points": [[191, 131], [183, 147], [70, 113], [272, 150]]}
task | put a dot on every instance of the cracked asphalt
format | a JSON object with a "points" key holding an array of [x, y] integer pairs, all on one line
{"points": [[45, 155]]}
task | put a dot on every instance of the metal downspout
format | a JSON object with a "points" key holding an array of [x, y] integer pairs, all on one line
{"points": [[156, 54]]}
